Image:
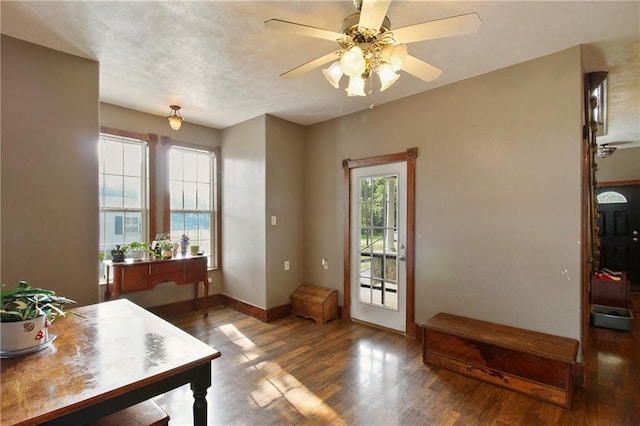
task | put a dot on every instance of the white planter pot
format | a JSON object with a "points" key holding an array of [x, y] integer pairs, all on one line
{"points": [[20, 335]]}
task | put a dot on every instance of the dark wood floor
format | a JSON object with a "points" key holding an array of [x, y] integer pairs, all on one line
{"points": [[293, 371]]}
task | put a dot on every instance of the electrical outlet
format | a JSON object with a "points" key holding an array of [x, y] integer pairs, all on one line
{"points": [[286, 265], [273, 220], [325, 264]]}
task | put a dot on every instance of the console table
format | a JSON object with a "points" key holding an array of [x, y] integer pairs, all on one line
{"points": [[141, 275]]}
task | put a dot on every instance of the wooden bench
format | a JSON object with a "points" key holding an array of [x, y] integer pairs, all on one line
{"points": [[147, 413], [536, 364]]}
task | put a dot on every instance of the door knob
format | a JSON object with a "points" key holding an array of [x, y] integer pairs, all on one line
{"points": [[635, 240], [635, 232], [402, 258]]}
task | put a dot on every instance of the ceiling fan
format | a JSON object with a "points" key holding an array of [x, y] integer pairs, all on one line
{"points": [[368, 46]]}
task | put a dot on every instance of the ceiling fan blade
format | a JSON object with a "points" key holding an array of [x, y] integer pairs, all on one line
{"points": [[420, 69], [447, 27], [292, 27], [318, 62], [373, 13]]}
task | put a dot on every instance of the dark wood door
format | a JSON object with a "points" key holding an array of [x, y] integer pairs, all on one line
{"points": [[619, 231]]}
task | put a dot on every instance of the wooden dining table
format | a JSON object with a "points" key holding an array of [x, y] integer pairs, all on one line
{"points": [[114, 355]]}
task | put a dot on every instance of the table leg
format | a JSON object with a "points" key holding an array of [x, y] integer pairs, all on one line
{"points": [[206, 297], [199, 385]]}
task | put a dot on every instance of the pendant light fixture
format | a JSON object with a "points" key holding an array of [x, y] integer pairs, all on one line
{"points": [[175, 120]]}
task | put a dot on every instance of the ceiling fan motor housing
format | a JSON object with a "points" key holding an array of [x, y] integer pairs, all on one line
{"points": [[349, 28]]}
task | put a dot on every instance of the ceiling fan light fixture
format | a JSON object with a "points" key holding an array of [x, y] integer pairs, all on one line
{"points": [[356, 87], [175, 120], [353, 62], [387, 76], [605, 151], [333, 74], [394, 55]]}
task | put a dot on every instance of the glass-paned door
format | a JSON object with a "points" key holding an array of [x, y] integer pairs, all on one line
{"points": [[378, 234]]}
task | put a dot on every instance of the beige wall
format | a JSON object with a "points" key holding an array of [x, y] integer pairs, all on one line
{"points": [[263, 176], [623, 164], [243, 211], [135, 121], [49, 170], [285, 171], [497, 193]]}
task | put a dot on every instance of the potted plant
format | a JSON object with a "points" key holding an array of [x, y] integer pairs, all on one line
{"points": [[167, 248], [136, 250], [25, 314]]}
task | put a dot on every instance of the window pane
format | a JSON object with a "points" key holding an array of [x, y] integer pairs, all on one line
{"points": [[204, 168], [177, 226], [113, 191], [133, 227], [190, 166], [175, 169], [114, 231], [204, 196], [204, 222], [113, 157], [176, 194], [132, 192], [132, 160], [189, 195]]}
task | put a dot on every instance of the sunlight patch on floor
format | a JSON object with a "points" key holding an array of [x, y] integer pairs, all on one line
{"points": [[277, 383]]}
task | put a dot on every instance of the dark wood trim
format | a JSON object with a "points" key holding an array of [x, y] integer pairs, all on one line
{"points": [[127, 134], [409, 157], [153, 176], [218, 206], [163, 185], [619, 183], [578, 374], [410, 245], [184, 306], [346, 269], [278, 312]]}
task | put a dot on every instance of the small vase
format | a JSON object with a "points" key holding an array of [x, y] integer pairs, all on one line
{"points": [[167, 254]]}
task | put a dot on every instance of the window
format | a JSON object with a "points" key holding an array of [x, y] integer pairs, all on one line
{"points": [[611, 197], [123, 192], [192, 189]]}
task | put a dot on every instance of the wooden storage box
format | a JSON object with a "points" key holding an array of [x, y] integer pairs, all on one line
{"points": [[318, 303], [611, 293], [536, 364]]}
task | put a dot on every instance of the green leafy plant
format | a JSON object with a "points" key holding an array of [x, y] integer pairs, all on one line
{"points": [[167, 245], [136, 249], [25, 302]]}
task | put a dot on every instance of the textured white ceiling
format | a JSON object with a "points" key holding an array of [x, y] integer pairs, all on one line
{"points": [[216, 59]]}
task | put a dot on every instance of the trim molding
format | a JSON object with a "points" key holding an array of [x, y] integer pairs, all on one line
{"points": [[619, 183], [185, 306]]}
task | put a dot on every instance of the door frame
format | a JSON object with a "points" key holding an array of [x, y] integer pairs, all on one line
{"points": [[409, 156]]}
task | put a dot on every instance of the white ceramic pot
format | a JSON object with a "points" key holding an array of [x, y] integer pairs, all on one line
{"points": [[20, 335]]}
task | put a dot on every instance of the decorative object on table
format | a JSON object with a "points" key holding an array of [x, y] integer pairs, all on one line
{"points": [[184, 243], [25, 314], [166, 248], [136, 250], [118, 254], [194, 249]]}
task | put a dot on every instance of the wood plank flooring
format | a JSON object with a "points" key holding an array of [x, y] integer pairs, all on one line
{"points": [[296, 372]]}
